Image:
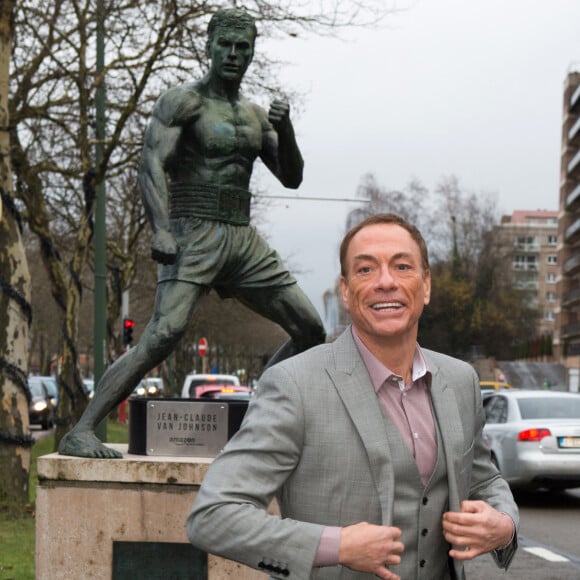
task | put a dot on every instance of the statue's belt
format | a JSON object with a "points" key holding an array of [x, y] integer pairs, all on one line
{"points": [[226, 204]]}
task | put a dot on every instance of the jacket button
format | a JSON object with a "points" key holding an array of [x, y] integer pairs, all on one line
{"points": [[422, 563], [424, 531], [425, 501]]}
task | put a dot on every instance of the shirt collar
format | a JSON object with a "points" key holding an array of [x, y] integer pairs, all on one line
{"points": [[379, 373]]}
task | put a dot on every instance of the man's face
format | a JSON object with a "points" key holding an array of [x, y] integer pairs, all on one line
{"points": [[385, 288], [231, 51]]}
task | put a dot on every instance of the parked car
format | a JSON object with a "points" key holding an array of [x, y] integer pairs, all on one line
{"points": [[195, 384], [534, 437], [51, 387], [149, 387], [41, 408]]}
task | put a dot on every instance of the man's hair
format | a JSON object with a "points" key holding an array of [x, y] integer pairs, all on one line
{"points": [[231, 18], [385, 219]]}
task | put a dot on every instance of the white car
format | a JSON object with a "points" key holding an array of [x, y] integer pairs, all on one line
{"points": [[534, 437], [194, 384]]}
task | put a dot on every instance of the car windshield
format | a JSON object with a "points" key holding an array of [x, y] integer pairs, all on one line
{"points": [[550, 408], [50, 385], [36, 389]]}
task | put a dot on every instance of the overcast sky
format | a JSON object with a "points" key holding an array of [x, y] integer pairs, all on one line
{"points": [[471, 88]]}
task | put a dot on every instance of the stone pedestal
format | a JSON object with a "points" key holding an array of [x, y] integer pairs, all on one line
{"points": [[122, 519]]}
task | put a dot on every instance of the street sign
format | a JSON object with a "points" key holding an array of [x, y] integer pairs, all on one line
{"points": [[202, 347]]}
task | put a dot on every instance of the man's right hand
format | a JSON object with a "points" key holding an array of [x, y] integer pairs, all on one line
{"points": [[369, 548], [164, 247]]}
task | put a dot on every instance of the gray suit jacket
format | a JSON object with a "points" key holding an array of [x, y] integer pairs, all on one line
{"points": [[314, 438]]}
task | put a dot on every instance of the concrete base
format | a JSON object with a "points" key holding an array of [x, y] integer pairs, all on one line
{"points": [[86, 506]]}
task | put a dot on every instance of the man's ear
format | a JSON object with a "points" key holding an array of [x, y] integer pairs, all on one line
{"points": [[427, 287], [344, 291]]}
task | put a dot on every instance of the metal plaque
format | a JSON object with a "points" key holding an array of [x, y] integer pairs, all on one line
{"points": [[186, 428]]}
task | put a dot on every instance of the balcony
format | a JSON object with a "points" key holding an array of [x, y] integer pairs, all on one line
{"points": [[574, 164], [573, 197], [575, 101], [570, 330], [572, 265], [574, 134], [572, 232], [525, 266], [526, 285], [571, 298], [535, 248]]}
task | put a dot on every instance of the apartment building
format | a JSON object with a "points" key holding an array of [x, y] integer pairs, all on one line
{"points": [[567, 331], [528, 243]]}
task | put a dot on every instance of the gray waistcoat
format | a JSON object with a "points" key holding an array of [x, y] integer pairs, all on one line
{"points": [[417, 511]]}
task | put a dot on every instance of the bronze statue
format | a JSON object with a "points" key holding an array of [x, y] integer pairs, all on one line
{"points": [[200, 146]]}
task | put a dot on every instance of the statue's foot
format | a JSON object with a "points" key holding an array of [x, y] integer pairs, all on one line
{"points": [[86, 444]]}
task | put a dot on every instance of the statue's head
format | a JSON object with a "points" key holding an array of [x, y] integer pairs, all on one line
{"points": [[230, 42], [235, 18]]}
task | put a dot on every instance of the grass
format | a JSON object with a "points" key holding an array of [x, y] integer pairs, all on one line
{"points": [[17, 522]]}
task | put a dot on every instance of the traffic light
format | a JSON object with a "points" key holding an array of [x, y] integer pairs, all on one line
{"points": [[128, 325]]}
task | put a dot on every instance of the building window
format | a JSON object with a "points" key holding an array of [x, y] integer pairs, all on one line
{"points": [[527, 242], [550, 297], [552, 260], [552, 240], [549, 315], [525, 262], [551, 278]]}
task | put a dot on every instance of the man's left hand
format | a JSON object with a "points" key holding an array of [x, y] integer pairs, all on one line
{"points": [[476, 529]]}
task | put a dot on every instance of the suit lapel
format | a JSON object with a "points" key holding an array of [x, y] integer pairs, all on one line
{"points": [[354, 387], [448, 418]]}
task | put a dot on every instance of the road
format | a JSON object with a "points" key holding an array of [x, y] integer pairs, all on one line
{"points": [[549, 540], [38, 433]]}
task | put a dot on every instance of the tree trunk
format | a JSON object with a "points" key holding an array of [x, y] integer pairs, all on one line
{"points": [[15, 439]]}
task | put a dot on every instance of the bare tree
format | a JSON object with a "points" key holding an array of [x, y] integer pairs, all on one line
{"points": [[411, 203], [463, 221], [15, 440], [473, 303]]}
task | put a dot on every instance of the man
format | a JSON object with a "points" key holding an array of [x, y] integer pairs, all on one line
{"points": [[371, 445], [198, 155]]}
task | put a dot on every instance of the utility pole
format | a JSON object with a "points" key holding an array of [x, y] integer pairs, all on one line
{"points": [[100, 300]]}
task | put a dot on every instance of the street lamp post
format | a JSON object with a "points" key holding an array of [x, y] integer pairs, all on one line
{"points": [[100, 292]]}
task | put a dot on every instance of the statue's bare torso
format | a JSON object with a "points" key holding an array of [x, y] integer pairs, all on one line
{"points": [[218, 140]]}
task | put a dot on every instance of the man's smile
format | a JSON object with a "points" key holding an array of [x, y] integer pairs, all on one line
{"points": [[387, 305]]}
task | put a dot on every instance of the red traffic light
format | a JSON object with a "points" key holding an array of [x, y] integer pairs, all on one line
{"points": [[128, 324]]}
